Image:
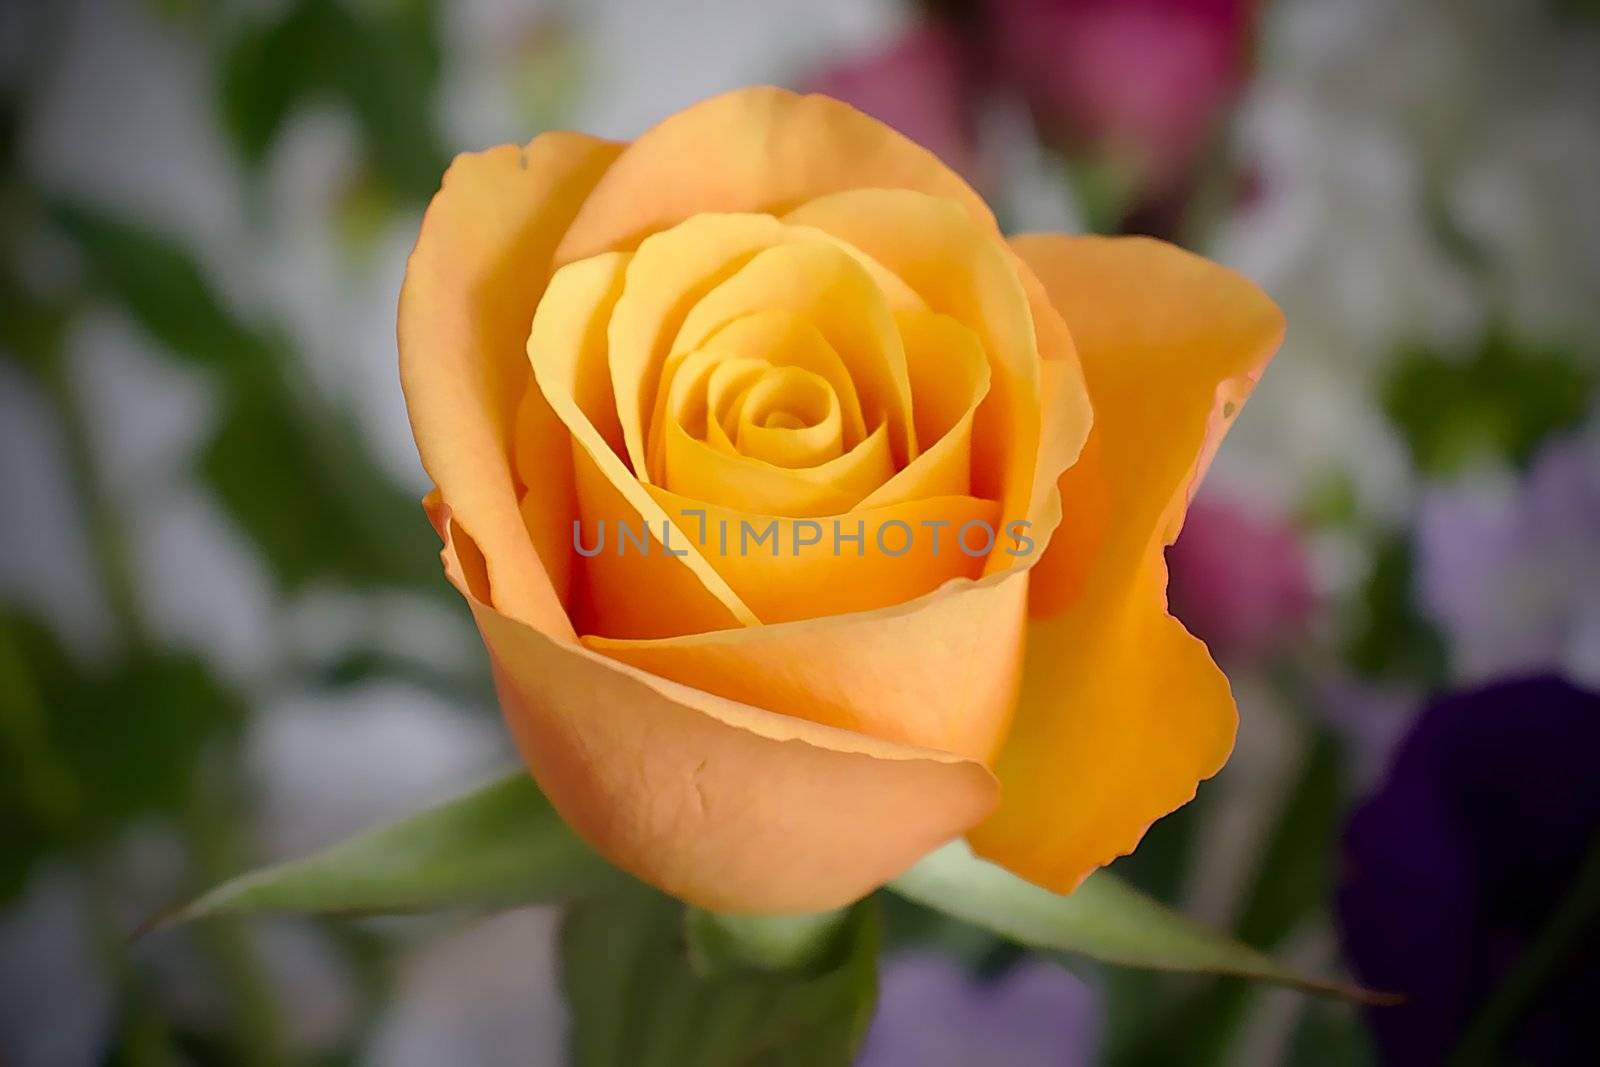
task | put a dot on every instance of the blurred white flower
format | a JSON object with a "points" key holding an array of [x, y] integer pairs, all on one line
{"points": [[1376, 129]]}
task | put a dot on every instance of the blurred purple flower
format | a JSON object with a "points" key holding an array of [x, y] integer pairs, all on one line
{"points": [[932, 1013], [924, 84], [1240, 582], [1453, 868], [1511, 578], [1144, 82]]}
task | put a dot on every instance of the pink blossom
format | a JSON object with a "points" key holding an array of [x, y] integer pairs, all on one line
{"points": [[1238, 581], [1143, 82], [923, 84]]}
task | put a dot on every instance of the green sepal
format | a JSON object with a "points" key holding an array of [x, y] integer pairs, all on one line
{"points": [[499, 846], [1105, 919]]}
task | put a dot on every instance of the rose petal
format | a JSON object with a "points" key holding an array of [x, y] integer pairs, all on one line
{"points": [[962, 271], [1122, 712], [785, 568], [949, 375], [832, 290], [757, 149], [718, 803], [939, 672], [645, 592], [784, 339], [471, 286]]}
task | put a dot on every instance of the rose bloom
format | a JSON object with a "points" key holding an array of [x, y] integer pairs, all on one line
{"points": [[772, 309]]}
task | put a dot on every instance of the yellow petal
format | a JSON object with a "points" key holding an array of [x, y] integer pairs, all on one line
{"points": [[697, 471], [962, 271], [781, 338], [949, 375], [471, 287], [1122, 712], [643, 593], [790, 417], [1067, 412], [716, 802], [699, 458], [667, 277], [757, 149], [937, 672], [832, 290], [786, 568]]}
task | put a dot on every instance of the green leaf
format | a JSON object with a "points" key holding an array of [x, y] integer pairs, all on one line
{"points": [[500, 846], [1105, 919], [637, 1000]]}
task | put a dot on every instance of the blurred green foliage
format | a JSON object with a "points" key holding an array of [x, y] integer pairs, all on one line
{"points": [[96, 746], [297, 477], [380, 60], [1387, 638], [1500, 401]]}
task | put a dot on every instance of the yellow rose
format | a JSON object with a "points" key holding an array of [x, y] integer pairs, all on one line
{"points": [[868, 581]]}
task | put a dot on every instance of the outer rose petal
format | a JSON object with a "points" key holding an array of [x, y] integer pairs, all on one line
{"points": [[757, 149], [716, 802], [471, 286], [937, 672], [1122, 712]]}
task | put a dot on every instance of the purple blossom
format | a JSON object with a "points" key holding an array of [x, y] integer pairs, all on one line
{"points": [[1452, 870]]}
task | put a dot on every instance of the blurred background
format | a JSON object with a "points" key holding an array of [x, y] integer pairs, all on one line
{"points": [[225, 639]]}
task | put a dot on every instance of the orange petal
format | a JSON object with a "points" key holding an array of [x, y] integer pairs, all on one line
{"points": [[667, 277], [1064, 396], [757, 149], [648, 592], [1122, 712], [786, 569], [716, 802], [949, 375], [938, 672], [471, 286], [965, 272]]}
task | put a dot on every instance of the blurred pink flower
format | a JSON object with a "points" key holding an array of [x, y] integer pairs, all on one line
{"points": [[1142, 83], [924, 84], [1239, 582]]}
